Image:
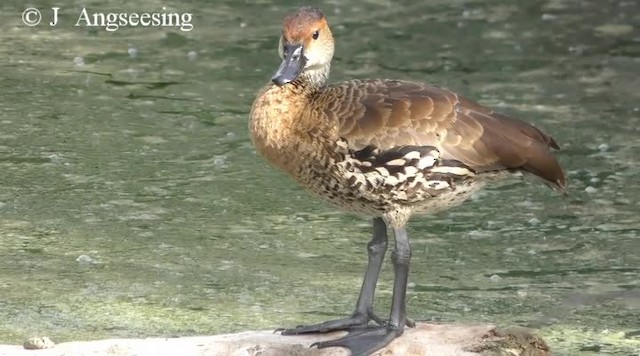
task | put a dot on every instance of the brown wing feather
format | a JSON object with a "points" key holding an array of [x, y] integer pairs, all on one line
{"points": [[387, 114]]}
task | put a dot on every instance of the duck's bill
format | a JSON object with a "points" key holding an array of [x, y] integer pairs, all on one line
{"points": [[291, 66]]}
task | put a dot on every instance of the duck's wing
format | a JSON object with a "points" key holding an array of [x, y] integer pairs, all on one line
{"points": [[389, 114]]}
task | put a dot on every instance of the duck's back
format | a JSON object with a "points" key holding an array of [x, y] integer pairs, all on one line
{"points": [[392, 118]]}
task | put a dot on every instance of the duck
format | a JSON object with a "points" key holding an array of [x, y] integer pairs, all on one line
{"points": [[385, 149]]}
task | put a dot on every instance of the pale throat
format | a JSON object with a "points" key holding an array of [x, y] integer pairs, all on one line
{"points": [[317, 75]]}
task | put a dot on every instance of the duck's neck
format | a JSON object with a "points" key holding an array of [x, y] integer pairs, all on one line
{"points": [[280, 107], [307, 84], [278, 118], [317, 77]]}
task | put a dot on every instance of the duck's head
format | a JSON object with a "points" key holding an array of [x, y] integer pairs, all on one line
{"points": [[306, 47]]}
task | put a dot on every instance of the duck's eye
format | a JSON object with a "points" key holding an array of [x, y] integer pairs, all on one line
{"points": [[315, 35]]}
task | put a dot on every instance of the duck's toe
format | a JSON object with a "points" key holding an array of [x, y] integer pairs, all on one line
{"points": [[328, 326]]}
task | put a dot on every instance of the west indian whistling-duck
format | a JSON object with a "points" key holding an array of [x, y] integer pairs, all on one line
{"points": [[387, 149]]}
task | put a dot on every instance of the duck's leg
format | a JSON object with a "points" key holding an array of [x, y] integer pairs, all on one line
{"points": [[364, 308], [367, 340]]}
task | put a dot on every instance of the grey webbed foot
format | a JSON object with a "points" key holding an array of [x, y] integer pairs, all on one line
{"points": [[363, 341], [353, 322]]}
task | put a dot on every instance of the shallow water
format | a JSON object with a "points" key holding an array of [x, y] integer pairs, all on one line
{"points": [[133, 204]]}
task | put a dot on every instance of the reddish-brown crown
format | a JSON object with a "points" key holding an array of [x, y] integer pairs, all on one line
{"points": [[299, 26]]}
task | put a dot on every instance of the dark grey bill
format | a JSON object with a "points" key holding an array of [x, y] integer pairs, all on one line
{"points": [[291, 66]]}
